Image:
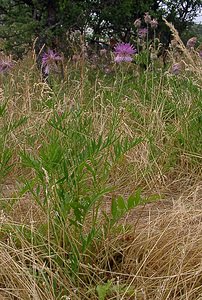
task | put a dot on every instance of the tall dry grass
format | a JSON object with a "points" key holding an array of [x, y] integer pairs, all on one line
{"points": [[154, 251]]}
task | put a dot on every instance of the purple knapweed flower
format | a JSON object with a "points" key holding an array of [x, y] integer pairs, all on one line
{"points": [[154, 23], [200, 53], [123, 52], [143, 33], [49, 61], [137, 23], [191, 42], [147, 18], [176, 69], [6, 65]]}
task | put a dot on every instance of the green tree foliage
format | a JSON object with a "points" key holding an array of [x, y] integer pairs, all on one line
{"points": [[194, 30], [181, 13], [117, 17], [24, 22], [27, 22], [17, 25]]}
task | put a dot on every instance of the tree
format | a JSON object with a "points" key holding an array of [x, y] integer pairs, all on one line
{"points": [[50, 21], [181, 13], [44, 21]]}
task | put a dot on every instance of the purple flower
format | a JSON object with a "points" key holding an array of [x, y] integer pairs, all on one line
{"points": [[123, 52], [176, 68], [122, 58], [191, 42], [6, 65], [200, 53], [49, 61], [143, 33]]}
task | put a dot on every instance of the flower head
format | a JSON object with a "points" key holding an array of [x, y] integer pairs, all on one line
{"points": [[200, 53], [49, 61], [174, 43], [154, 23], [143, 33], [176, 68], [76, 57], [191, 42], [107, 70], [137, 23], [124, 52], [147, 18], [103, 52], [6, 65]]}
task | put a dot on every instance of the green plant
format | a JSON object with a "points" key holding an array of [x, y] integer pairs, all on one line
{"points": [[70, 182]]}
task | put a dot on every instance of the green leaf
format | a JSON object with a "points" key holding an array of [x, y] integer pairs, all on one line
{"points": [[135, 199], [2, 109], [121, 203], [114, 209]]}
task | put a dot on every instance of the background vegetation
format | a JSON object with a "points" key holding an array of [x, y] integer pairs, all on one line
{"points": [[50, 22]]}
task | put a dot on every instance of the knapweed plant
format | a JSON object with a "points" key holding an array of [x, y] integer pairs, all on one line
{"points": [[70, 183]]}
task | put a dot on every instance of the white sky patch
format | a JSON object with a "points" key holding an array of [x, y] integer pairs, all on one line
{"points": [[198, 19]]}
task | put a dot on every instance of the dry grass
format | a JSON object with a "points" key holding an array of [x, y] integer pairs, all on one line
{"points": [[189, 59], [156, 252], [157, 257], [160, 257]]}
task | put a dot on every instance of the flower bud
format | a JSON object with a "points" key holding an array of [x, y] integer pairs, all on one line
{"points": [[103, 52], [173, 43], [147, 18], [137, 23], [191, 42], [142, 33], [176, 68], [154, 23], [76, 57]]}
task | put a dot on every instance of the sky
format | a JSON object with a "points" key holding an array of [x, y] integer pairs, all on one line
{"points": [[199, 18]]}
